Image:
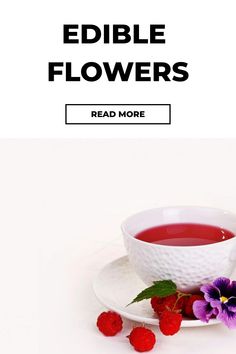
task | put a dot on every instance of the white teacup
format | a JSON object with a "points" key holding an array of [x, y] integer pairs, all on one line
{"points": [[188, 266]]}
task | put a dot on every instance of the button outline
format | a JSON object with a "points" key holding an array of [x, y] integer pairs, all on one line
{"points": [[118, 104]]}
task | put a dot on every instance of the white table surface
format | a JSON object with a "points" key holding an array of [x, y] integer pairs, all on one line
{"points": [[61, 204]]}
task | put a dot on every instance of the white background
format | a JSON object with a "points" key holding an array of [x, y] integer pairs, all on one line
{"points": [[61, 205], [202, 33]]}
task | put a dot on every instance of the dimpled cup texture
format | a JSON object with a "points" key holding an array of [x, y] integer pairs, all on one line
{"points": [[188, 266]]}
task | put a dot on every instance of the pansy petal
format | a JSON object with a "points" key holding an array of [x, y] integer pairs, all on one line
{"points": [[215, 312], [210, 292], [227, 317], [223, 284], [231, 304], [202, 310], [233, 288], [215, 304]]}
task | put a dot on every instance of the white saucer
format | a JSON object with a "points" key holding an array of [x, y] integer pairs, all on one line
{"points": [[117, 284]]}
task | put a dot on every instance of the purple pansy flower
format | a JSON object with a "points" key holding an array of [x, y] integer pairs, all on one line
{"points": [[203, 310], [220, 301]]}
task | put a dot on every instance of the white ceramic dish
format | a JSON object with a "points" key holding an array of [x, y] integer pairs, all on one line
{"points": [[117, 284], [190, 266]]}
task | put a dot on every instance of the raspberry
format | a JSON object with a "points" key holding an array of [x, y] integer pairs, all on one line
{"points": [[109, 323], [170, 322], [181, 303], [142, 339], [155, 303], [160, 304], [188, 308]]}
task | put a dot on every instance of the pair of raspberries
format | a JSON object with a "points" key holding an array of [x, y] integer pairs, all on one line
{"points": [[169, 310]]}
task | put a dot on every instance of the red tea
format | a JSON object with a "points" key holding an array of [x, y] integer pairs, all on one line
{"points": [[184, 234]]}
